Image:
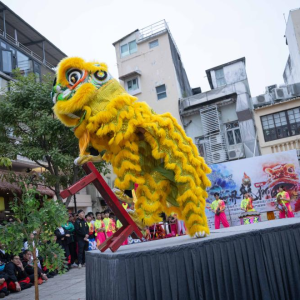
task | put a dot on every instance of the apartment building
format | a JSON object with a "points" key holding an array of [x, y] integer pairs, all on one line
{"points": [[150, 67], [277, 118], [220, 121]]}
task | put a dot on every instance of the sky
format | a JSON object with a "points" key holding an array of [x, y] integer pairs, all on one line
{"points": [[207, 32]]}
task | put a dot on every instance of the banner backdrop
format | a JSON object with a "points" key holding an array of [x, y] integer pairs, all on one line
{"points": [[260, 176]]}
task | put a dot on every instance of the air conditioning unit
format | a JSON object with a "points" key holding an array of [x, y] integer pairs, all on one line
{"points": [[270, 88], [294, 89], [280, 94], [261, 100], [236, 153], [218, 156]]}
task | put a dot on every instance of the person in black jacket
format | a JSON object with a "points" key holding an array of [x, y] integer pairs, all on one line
{"points": [[3, 278], [27, 262], [17, 277], [61, 238], [82, 234]]}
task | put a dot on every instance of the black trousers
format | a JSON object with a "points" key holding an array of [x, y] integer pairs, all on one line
{"points": [[82, 247], [72, 248]]}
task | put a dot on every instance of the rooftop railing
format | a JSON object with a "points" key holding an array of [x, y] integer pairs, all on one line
{"points": [[155, 29], [25, 49]]}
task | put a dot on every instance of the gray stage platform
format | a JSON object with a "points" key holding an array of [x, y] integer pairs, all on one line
{"points": [[259, 261]]}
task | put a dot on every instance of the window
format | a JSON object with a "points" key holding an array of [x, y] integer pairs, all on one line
{"points": [[153, 44], [37, 71], [220, 77], [24, 63], [282, 124], [3, 85], [233, 133], [129, 48], [161, 92], [132, 85], [7, 61]]}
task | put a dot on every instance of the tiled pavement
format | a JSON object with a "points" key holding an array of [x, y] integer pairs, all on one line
{"points": [[69, 286]]}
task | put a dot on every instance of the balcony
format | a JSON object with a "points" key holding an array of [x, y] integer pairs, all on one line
{"points": [[206, 97], [23, 48]]}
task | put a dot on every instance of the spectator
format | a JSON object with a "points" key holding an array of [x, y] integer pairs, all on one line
{"points": [[118, 226], [3, 278], [61, 238], [109, 224], [26, 246], [17, 277], [102, 215], [69, 226], [91, 214], [99, 230], [82, 234], [92, 241], [173, 224], [27, 262]]}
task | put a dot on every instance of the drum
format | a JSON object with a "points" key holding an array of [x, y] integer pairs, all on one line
{"points": [[249, 217]]}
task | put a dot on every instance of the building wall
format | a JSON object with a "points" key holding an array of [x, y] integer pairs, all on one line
{"points": [[182, 79], [232, 73], [194, 129], [279, 145], [157, 68], [292, 69]]}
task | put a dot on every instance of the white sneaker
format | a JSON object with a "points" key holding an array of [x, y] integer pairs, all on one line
{"points": [[74, 265], [79, 266]]}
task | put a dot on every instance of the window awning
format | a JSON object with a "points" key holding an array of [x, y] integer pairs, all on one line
{"points": [[130, 74]]}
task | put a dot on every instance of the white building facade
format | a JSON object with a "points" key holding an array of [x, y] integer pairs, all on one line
{"points": [[291, 72], [150, 68], [220, 121]]}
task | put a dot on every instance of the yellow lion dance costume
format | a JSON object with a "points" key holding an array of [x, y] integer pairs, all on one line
{"points": [[143, 147]]}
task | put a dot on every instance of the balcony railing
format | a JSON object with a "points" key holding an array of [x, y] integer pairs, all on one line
{"points": [[155, 29], [25, 49]]}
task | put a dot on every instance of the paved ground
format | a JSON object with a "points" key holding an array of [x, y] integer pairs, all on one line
{"points": [[70, 286]]}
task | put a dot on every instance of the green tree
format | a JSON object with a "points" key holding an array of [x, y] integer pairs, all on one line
{"points": [[5, 162], [42, 216], [30, 129]]}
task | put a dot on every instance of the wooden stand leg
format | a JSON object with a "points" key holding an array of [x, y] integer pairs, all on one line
{"points": [[128, 228]]}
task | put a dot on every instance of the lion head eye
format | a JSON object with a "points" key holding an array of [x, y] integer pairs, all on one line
{"points": [[74, 76], [100, 75]]}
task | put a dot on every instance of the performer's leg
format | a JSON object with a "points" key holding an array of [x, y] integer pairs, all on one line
{"points": [[217, 222], [81, 245], [223, 219], [290, 213], [281, 214]]}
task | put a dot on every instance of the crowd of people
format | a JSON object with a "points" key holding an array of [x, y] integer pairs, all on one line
{"points": [[82, 232]]}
